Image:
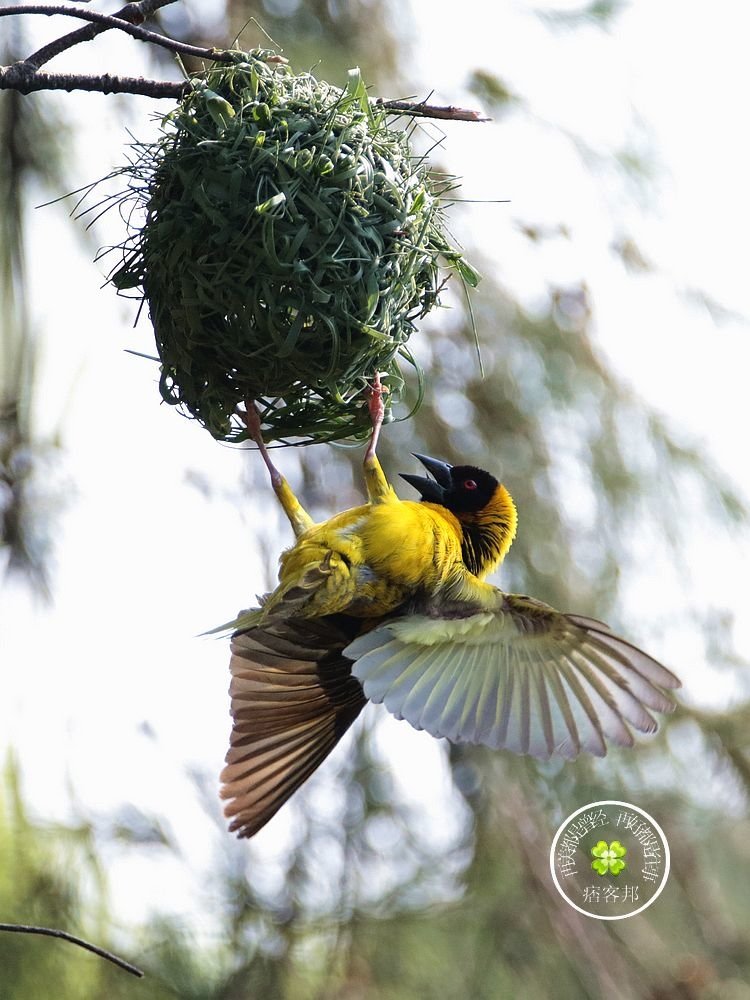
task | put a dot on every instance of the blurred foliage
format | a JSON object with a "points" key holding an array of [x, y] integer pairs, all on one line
{"points": [[32, 155], [369, 901], [325, 37], [492, 92], [49, 876], [599, 13], [337, 34]]}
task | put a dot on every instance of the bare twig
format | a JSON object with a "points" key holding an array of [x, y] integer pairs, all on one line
{"points": [[422, 110], [127, 19], [25, 79], [64, 936]]}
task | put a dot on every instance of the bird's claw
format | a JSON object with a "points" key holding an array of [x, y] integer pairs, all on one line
{"points": [[375, 404], [251, 418]]}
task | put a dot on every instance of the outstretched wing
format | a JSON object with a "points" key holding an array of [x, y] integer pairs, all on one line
{"points": [[293, 697], [521, 676]]}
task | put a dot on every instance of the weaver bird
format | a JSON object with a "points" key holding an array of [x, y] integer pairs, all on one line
{"points": [[388, 602]]}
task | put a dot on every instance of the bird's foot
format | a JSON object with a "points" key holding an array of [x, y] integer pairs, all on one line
{"points": [[251, 417], [375, 393], [376, 406]]}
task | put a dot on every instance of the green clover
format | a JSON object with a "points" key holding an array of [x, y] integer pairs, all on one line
{"points": [[607, 857]]}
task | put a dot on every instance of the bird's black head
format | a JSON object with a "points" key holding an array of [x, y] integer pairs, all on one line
{"points": [[463, 489]]}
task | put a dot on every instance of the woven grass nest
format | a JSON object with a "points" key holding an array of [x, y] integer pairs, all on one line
{"points": [[290, 242]]}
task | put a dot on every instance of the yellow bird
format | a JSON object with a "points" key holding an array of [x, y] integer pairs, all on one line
{"points": [[387, 602]]}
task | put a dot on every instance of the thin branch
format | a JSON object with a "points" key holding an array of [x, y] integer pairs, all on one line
{"points": [[24, 76], [422, 110], [64, 936], [128, 19], [25, 79]]}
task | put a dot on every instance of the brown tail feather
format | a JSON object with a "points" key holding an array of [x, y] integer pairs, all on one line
{"points": [[293, 697]]}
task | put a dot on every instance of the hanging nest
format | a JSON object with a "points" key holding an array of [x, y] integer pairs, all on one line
{"points": [[291, 240]]}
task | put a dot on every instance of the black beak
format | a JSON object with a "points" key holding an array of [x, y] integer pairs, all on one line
{"points": [[431, 490]]}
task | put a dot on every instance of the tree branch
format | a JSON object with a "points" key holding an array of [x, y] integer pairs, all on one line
{"points": [[26, 80], [24, 75], [422, 110], [128, 19], [134, 13], [63, 935]]}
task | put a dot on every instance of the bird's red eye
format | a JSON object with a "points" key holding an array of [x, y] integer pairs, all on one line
{"points": [[470, 484]]}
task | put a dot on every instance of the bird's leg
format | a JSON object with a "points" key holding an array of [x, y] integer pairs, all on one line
{"points": [[375, 481], [299, 519], [251, 418]]}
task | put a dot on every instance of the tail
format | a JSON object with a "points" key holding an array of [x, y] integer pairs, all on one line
{"points": [[244, 620], [287, 600], [293, 698]]}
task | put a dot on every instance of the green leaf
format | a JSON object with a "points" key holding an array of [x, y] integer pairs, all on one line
{"points": [[220, 110], [123, 278], [467, 272], [616, 866], [373, 295], [356, 90], [266, 206], [617, 848], [418, 203], [600, 866], [599, 849]]}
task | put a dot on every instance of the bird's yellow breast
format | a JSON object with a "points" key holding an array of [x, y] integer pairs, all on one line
{"points": [[418, 544], [379, 555]]}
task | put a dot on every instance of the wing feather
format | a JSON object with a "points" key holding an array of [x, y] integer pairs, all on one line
{"points": [[621, 687], [293, 697], [587, 721], [505, 698], [567, 743], [543, 731], [430, 717], [487, 706], [611, 724], [473, 704], [387, 666], [521, 676], [629, 654], [458, 693], [641, 668], [521, 719], [416, 701], [411, 672]]}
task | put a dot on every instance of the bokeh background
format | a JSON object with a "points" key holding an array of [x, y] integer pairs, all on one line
{"points": [[612, 322]]}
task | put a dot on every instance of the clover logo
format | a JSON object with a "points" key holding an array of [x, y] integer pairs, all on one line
{"points": [[607, 857]]}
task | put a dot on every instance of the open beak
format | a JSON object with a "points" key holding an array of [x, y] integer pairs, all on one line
{"points": [[432, 490]]}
